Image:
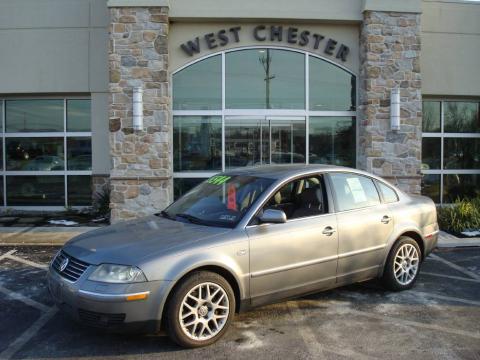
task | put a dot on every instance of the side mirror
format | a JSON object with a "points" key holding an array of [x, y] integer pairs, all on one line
{"points": [[273, 216]]}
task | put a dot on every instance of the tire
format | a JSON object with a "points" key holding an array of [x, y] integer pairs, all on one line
{"points": [[403, 265], [201, 303]]}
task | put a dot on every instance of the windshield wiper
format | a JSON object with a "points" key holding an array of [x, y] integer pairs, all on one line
{"points": [[191, 218], [165, 215]]}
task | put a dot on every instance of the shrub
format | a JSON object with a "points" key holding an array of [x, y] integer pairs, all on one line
{"points": [[462, 215]]}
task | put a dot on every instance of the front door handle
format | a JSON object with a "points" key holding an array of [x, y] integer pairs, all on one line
{"points": [[386, 219], [329, 231]]}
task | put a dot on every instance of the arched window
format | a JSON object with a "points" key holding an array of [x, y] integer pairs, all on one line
{"points": [[258, 106]]}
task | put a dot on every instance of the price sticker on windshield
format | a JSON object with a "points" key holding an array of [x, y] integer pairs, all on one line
{"points": [[218, 180]]}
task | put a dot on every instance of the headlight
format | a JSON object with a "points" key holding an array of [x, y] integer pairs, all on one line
{"points": [[112, 273]]}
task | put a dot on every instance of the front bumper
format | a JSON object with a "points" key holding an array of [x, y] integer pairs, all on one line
{"points": [[105, 305]]}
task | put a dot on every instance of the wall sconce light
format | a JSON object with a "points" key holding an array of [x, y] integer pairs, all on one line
{"points": [[395, 109], [137, 108]]}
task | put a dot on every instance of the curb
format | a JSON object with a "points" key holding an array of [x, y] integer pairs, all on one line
{"points": [[55, 236], [471, 243], [446, 240]]}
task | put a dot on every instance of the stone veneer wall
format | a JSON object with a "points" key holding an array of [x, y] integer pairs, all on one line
{"points": [[140, 178], [100, 184], [389, 58]]}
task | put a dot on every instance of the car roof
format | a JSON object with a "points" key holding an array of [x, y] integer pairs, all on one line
{"points": [[282, 171]]}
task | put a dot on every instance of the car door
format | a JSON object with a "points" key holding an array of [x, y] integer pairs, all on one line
{"points": [[364, 226], [297, 256]]}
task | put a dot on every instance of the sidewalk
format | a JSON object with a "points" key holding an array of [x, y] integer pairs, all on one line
{"points": [[40, 235], [60, 235]]}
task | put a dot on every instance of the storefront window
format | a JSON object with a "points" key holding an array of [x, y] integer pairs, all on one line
{"points": [[48, 152], [249, 107], [265, 79], [199, 86], [463, 186], [35, 190], [461, 153], [450, 150], [431, 153], [431, 116], [331, 87], [332, 140], [182, 186], [34, 154], [197, 143], [80, 192], [431, 186], [34, 115], [461, 117], [79, 153], [78, 115]]}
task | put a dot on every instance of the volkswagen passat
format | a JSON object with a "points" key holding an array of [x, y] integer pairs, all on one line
{"points": [[243, 238]]}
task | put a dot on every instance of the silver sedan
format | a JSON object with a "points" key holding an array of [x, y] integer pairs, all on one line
{"points": [[240, 239]]}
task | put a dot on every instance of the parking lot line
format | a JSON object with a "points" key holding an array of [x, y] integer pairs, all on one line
{"points": [[448, 298], [7, 254], [475, 335], [26, 262], [315, 349], [24, 299], [27, 334], [449, 277], [455, 266]]}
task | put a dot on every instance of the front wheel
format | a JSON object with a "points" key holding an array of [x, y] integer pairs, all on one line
{"points": [[403, 265], [200, 310]]}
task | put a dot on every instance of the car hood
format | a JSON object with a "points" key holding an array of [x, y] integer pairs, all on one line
{"points": [[129, 242]]}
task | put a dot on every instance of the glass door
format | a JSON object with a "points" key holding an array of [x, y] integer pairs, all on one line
{"points": [[287, 140], [261, 140]]}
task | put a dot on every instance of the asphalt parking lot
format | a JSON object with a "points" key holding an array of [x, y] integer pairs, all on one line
{"points": [[438, 318]]}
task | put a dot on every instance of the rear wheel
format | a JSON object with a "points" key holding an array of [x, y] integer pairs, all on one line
{"points": [[403, 265], [200, 310]]}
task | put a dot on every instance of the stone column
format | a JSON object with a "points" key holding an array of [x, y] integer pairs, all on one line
{"points": [[389, 58], [140, 178]]}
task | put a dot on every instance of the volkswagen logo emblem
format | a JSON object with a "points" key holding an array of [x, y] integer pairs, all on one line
{"points": [[64, 264]]}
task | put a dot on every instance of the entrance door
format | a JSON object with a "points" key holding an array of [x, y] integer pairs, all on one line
{"points": [[254, 140]]}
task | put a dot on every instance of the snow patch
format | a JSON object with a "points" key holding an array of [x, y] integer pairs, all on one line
{"points": [[471, 233], [62, 222], [252, 341]]}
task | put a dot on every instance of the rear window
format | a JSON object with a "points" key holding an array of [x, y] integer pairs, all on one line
{"points": [[354, 191], [389, 195]]}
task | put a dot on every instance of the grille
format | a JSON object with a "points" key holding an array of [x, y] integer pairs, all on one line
{"points": [[74, 269], [100, 319]]}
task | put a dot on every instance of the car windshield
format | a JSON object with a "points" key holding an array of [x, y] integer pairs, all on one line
{"points": [[221, 200]]}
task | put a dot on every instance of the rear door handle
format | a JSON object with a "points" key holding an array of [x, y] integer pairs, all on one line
{"points": [[329, 231], [386, 219]]}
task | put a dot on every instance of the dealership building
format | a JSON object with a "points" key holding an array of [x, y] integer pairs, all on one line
{"points": [[149, 97]]}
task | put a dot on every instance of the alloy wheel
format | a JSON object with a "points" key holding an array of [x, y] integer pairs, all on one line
{"points": [[406, 264], [204, 311]]}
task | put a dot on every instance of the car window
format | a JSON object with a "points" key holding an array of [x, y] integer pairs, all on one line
{"points": [[389, 195], [354, 191], [300, 198], [222, 200]]}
